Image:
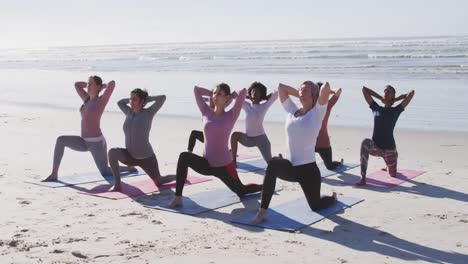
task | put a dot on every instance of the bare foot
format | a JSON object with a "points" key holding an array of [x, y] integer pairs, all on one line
{"points": [[261, 215], [362, 182], [384, 169], [175, 203], [116, 188], [52, 177]]}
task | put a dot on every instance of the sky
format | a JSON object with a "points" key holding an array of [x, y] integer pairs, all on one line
{"points": [[45, 23]]}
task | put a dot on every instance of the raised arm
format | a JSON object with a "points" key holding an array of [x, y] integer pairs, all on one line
{"points": [[324, 94], [271, 98], [158, 103], [286, 91], [407, 99], [368, 94], [199, 92], [240, 98], [109, 88], [79, 87], [123, 105], [334, 98]]}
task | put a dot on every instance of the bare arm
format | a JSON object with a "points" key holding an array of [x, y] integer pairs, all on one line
{"points": [[368, 94], [79, 87], [324, 94], [334, 98], [399, 98], [286, 91], [407, 99]]}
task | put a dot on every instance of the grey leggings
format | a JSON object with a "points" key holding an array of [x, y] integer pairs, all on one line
{"points": [[261, 142], [77, 143]]}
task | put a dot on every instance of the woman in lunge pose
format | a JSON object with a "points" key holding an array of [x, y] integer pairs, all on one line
{"points": [[91, 138], [217, 127], [301, 124]]}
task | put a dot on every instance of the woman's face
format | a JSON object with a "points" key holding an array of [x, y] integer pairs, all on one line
{"points": [[389, 95], [305, 94], [135, 102], [220, 98], [93, 88]]}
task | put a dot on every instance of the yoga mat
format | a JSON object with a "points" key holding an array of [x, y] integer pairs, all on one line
{"points": [[82, 178], [251, 165], [381, 178], [260, 164], [296, 214], [244, 156], [326, 173], [138, 188], [201, 202]]}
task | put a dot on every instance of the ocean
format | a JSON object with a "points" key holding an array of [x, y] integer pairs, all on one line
{"points": [[435, 67]]}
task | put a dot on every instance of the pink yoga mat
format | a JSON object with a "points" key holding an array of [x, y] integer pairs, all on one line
{"points": [[139, 188], [381, 178]]}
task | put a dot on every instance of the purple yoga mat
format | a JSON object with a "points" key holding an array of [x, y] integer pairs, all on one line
{"points": [[382, 179], [138, 188]]}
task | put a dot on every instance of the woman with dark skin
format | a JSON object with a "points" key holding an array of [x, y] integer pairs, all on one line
{"points": [[255, 135], [383, 143], [323, 145]]}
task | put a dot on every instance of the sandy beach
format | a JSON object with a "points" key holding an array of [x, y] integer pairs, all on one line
{"points": [[422, 220]]}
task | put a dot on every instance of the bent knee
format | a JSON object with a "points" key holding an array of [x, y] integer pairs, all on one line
{"points": [[366, 142], [113, 153]]}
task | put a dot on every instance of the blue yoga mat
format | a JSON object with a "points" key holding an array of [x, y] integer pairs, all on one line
{"points": [[201, 202], [260, 164], [294, 215], [251, 165], [82, 178]]}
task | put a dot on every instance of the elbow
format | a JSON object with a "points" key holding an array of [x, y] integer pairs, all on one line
{"points": [[162, 98]]}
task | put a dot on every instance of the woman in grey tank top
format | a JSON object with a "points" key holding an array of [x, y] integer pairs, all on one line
{"points": [[137, 126]]}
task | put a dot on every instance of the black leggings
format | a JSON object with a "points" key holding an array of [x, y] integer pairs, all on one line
{"points": [[193, 137], [326, 155], [227, 174], [308, 176]]}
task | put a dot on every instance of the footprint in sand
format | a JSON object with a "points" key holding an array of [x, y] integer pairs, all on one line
{"points": [[79, 255]]}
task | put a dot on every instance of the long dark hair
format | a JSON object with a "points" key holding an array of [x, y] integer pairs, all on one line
{"points": [[98, 82]]}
